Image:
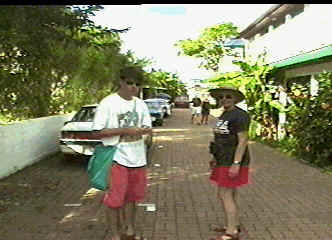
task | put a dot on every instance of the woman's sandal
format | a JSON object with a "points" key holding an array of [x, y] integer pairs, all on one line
{"points": [[223, 229], [126, 236], [132, 237], [227, 236]]}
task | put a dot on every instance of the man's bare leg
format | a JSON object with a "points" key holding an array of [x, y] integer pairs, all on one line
{"points": [[114, 223], [130, 218], [206, 119]]}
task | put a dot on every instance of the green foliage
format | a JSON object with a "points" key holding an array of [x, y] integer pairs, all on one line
{"points": [[309, 127], [168, 81], [53, 59], [310, 122], [100, 63], [260, 93], [38, 50], [209, 46]]}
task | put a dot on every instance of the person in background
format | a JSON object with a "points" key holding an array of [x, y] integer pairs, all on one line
{"points": [[205, 111], [122, 119], [195, 105], [230, 163]]}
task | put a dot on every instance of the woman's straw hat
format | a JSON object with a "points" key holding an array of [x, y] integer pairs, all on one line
{"points": [[216, 92]]}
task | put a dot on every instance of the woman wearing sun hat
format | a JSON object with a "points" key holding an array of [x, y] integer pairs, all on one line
{"points": [[230, 163]]}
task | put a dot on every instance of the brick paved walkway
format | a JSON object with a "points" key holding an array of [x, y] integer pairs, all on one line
{"points": [[287, 200]]}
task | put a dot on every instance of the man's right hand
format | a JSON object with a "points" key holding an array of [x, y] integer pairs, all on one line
{"points": [[135, 131]]}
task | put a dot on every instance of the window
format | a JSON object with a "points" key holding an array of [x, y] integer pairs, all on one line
{"points": [[270, 29], [279, 22], [297, 10], [85, 114], [300, 82], [264, 31], [288, 17]]}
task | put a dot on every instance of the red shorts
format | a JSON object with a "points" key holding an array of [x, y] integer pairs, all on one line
{"points": [[220, 177], [127, 185]]}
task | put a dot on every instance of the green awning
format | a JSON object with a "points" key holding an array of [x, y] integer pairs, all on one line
{"points": [[305, 58]]}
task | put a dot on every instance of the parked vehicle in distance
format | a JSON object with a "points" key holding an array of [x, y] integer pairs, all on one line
{"points": [[167, 106], [163, 96], [181, 102], [75, 135], [157, 111]]}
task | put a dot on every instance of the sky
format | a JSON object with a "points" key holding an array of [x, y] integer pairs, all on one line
{"points": [[155, 28]]}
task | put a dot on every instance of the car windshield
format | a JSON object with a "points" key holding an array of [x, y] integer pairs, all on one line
{"points": [[85, 114], [154, 105]]}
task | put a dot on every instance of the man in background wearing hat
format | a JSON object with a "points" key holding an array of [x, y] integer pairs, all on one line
{"points": [[205, 111], [230, 163]]}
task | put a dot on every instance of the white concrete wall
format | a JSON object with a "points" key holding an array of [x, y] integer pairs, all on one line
{"points": [[27, 142], [305, 32], [227, 64]]}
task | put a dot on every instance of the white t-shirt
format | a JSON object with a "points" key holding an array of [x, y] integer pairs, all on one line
{"points": [[115, 112], [196, 110]]}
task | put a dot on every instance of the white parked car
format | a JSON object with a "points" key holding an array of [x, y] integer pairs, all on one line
{"points": [[166, 105], [157, 111], [75, 135]]}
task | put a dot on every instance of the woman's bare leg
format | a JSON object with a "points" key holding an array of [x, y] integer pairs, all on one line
{"points": [[220, 194], [227, 195]]}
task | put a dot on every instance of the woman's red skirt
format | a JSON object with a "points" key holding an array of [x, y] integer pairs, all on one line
{"points": [[220, 177]]}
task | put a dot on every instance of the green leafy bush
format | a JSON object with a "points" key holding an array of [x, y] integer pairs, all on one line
{"points": [[310, 122]]}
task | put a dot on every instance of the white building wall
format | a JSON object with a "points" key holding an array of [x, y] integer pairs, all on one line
{"points": [[305, 32], [27, 142], [227, 64]]}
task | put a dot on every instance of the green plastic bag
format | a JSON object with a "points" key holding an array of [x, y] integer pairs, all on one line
{"points": [[99, 166]]}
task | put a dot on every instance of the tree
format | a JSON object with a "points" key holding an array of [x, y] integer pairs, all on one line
{"points": [[167, 80], [99, 64], [37, 50], [53, 58], [260, 92], [209, 46], [312, 143]]}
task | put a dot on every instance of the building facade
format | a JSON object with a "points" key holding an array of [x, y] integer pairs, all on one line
{"points": [[297, 43]]}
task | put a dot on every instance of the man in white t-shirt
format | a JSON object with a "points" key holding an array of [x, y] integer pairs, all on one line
{"points": [[121, 119]]}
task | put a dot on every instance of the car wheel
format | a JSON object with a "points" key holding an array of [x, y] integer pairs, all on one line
{"points": [[160, 122], [67, 157], [165, 112]]}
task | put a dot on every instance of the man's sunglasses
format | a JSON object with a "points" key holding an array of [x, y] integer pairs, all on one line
{"points": [[130, 83], [227, 96]]}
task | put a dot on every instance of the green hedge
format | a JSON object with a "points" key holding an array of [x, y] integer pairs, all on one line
{"points": [[310, 122]]}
